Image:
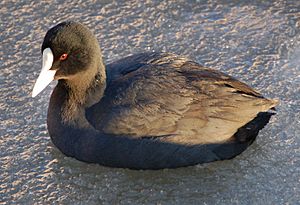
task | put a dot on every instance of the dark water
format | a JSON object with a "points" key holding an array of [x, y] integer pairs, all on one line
{"points": [[255, 41]]}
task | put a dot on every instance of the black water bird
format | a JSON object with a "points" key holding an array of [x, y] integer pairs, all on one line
{"points": [[145, 111]]}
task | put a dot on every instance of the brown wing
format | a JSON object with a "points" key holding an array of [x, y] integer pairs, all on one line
{"points": [[178, 101]]}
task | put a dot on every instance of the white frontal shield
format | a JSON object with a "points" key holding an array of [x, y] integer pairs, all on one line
{"points": [[46, 75]]}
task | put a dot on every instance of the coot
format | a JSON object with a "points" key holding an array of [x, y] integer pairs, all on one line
{"points": [[145, 111]]}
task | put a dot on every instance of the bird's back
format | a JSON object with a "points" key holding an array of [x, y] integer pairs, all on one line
{"points": [[172, 99]]}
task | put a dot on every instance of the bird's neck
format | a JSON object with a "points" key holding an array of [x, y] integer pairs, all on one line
{"points": [[83, 90]]}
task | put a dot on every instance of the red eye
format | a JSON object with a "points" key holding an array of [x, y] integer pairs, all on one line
{"points": [[63, 57]]}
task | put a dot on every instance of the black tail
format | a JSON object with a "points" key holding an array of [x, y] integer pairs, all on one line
{"points": [[248, 132], [243, 137]]}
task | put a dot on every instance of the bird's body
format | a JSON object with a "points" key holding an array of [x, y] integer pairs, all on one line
{"points": [[147, 111]]}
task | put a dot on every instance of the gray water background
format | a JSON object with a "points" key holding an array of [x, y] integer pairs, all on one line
{"points": [[255, 41]]}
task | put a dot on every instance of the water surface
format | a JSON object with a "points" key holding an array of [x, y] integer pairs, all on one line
{"points": [[255, 41]]}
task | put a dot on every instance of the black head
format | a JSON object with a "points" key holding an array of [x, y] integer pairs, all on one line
{"points": [[69, 50], [73, 46]]}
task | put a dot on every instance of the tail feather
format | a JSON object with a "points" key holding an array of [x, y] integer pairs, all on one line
{"points": [[248, 132], [244, 137]]}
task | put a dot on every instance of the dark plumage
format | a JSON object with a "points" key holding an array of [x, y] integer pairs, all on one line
{"points": [[152, 111]]}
